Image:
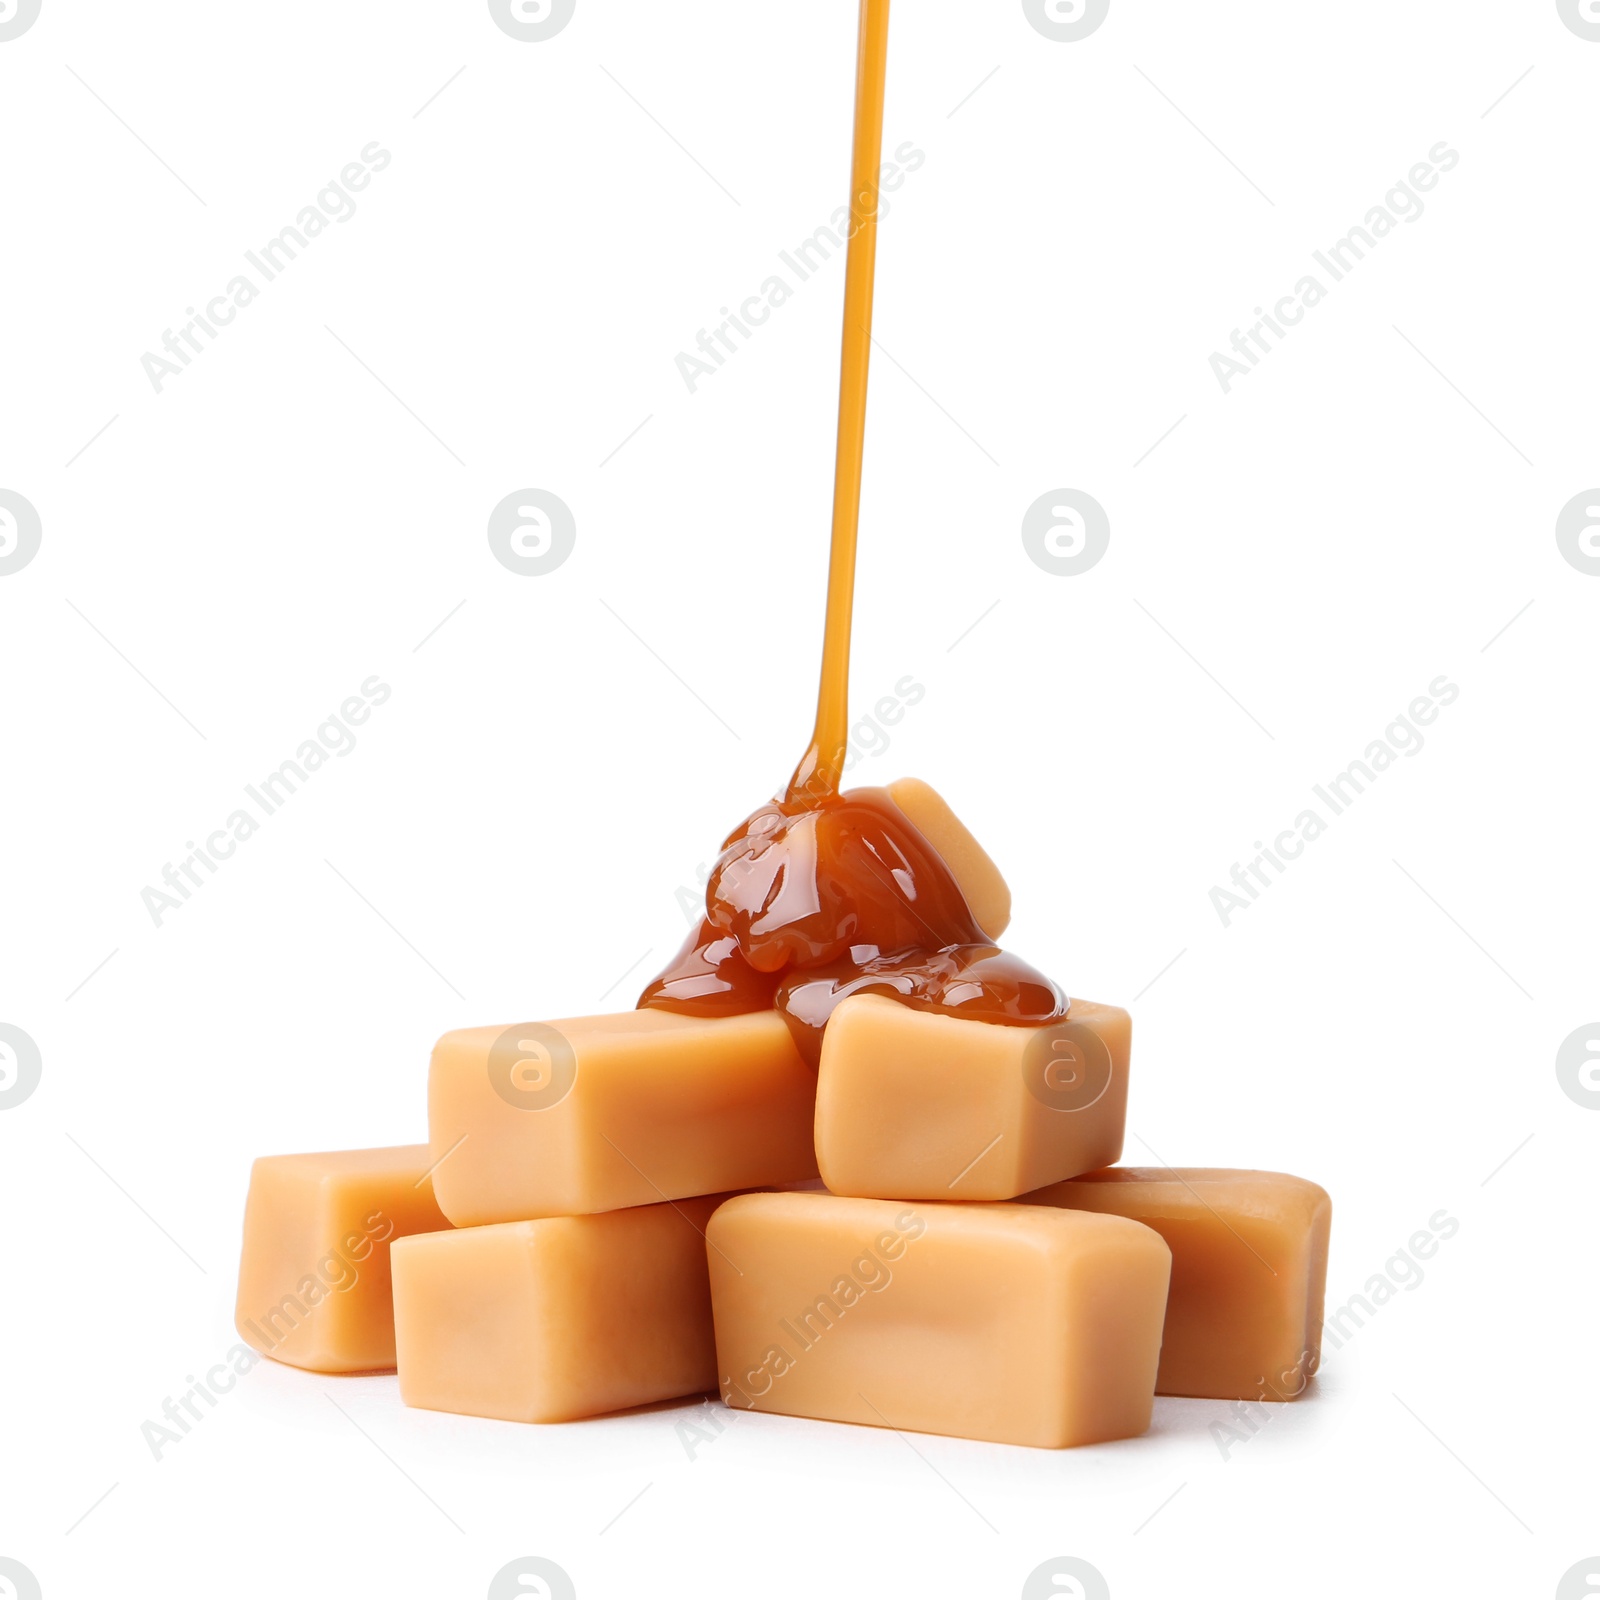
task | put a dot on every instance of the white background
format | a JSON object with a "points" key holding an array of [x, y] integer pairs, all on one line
{"points": [[228, 560]]}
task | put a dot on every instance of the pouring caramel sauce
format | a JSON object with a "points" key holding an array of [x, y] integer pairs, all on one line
{"points": [[819, 895]]}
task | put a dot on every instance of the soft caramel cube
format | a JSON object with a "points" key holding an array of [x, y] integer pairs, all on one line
{"points": [[556, 1319], [314, 1273], [988, 1322], [987, 894], [547, 1119], [917, 1105], [1249, 1263]]}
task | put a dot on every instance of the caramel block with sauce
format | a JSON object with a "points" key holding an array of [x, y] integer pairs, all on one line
{"points": [[598, 1113], [557, 1319], [1249, 1262], [987, 1322], [314, 1273], [986, 892], [918, 1105]]}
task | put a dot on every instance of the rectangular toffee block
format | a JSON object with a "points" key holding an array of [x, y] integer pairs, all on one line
{"points": [[917, 1105], [987, 894], [314, 1272], [1249, 1265], [562, 1318], [972, 1320], [598, 1113]]}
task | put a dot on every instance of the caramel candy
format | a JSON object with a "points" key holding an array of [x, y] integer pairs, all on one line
{"points": [[314, 1273], [1249, 1263], [916, 1105], [598, 1113], [988, 1322], [557, 1319], [986, 892]]}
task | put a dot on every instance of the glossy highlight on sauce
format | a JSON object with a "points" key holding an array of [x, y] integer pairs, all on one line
{"points": [[819, 895]]}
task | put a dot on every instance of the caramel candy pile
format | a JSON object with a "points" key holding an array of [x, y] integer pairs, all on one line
{"points": [[618, 1210]]}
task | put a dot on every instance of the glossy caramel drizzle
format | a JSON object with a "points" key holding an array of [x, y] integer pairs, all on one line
{"points": [[820, 895], [813, 901], [823, 764]]}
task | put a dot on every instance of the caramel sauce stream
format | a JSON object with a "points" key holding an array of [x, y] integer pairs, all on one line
{"points": [[823, 764], [820, 895]]}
